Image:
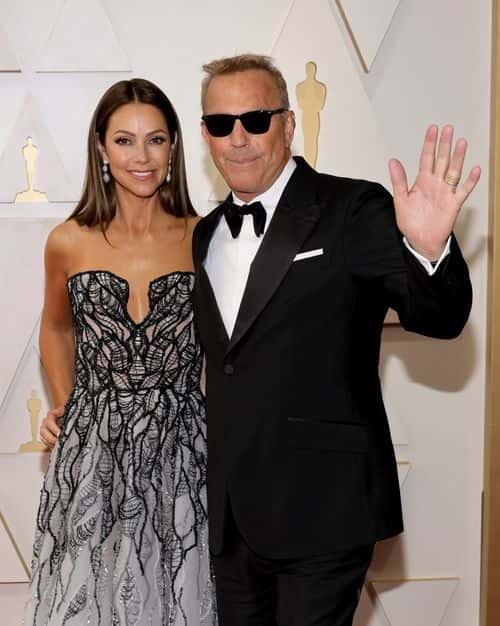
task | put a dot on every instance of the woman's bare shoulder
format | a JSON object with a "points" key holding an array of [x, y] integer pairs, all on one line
{"points": [[65, 237]]}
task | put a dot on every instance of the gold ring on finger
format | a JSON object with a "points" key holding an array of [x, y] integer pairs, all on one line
{"points": [[452, 180]]}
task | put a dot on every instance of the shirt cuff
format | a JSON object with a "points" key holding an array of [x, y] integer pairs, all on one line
{"points": [[430, 267]]}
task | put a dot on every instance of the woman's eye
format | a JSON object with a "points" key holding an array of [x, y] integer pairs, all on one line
{"points": [[122, 141], [158, 139]]}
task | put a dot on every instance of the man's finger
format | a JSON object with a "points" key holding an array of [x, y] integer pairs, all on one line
{"points": [[398, 179], [458, 158], [472, 180], [429, 150], [444, 151]]}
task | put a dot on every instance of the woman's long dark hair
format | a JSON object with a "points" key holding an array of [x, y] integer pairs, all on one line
{"points": [[97, 206]]}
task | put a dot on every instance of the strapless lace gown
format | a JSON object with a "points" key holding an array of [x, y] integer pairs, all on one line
{"points": [[121, 533]]}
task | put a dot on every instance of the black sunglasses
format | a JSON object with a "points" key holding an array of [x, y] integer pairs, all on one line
{"points": [[255, 122]]}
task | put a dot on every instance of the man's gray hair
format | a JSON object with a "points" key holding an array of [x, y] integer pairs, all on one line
{"points": [[241, 63]]}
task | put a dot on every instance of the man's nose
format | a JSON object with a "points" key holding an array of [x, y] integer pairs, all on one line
{"points": [[239, 136]]}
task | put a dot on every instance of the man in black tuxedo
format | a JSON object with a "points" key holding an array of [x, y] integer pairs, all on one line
{"points": [[291, 293]]}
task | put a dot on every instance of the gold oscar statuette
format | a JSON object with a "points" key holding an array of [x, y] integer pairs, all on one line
{"points": [[30, 154], [34, 405], [311, 96]]}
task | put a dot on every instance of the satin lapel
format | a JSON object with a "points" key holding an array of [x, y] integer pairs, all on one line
{"points": [[206, 307], [288, 230], [204, 232]]}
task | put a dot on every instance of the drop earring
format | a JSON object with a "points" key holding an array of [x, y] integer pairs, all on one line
{"points": [[168, 178], [105, 171]]}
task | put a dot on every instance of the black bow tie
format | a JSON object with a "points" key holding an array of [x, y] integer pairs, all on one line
{"points": [[234, 217]]}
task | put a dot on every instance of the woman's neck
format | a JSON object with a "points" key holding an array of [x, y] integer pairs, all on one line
{"points": [[137, 217]]}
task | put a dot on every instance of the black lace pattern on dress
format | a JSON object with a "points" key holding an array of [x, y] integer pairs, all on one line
{"points": [[122, 525]]}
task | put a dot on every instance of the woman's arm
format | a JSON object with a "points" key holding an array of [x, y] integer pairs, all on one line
{"points": [[57, 344]]}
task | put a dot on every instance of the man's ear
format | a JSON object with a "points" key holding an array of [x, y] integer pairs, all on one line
{"points": [[204, 131], [289, 127]]}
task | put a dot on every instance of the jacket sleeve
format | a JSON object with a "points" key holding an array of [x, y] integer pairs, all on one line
{"points": [[438, 305]]}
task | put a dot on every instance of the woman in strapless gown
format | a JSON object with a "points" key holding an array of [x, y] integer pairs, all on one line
{"points": [[121, 533]]}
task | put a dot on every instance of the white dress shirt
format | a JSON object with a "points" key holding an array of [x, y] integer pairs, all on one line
{"points": [[228, 260]]}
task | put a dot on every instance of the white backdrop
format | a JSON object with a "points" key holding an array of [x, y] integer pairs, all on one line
{"points": [[390, 67]]}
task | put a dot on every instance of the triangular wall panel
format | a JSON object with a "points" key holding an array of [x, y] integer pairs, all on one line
{"points": [[15, 420], [12, 569], [415, 602], [83, 40], [367, 24], [50, 174], [350, 141], [8, 61], [21, 477], [13, 600], [399, 432], [369, 612], [403, 471]]}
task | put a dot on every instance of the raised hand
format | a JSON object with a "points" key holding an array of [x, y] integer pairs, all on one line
{"points": [[426, 213]]}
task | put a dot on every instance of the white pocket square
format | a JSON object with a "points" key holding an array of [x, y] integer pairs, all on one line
{"points": [[308, 254]]}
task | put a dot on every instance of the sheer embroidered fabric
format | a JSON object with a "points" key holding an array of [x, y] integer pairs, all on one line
{"points": [[122, 527]]}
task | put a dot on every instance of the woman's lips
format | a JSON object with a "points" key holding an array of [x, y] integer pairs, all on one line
{"points": [[146, 175]]}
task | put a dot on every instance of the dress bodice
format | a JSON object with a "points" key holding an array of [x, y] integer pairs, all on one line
{"points": [[114, 350]]}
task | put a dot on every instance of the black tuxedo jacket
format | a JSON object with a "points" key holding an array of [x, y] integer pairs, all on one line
{"points": [[298, 439]]}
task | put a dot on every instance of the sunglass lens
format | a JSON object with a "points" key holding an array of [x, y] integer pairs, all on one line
{"points": [[256, 122], [219, 124]]}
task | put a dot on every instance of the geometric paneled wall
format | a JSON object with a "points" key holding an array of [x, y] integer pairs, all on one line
{"points": [[367, 23], [384, 70]]}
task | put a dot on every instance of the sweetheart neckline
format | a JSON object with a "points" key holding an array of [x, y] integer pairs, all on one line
{"points": [[153, 280], [127, 284]]}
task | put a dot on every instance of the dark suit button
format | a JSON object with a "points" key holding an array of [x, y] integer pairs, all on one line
{"points": [[228, 369]]}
